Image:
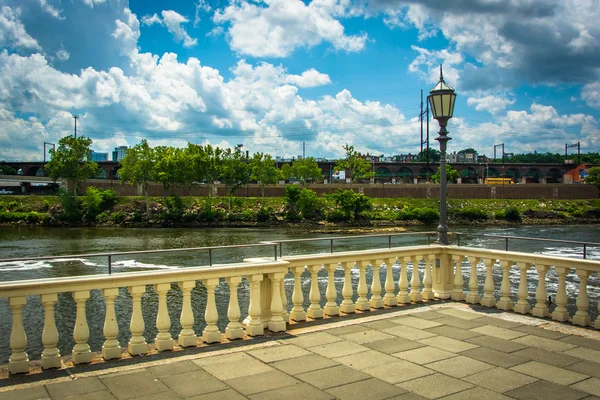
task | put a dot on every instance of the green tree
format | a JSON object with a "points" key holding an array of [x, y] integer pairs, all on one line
{"points": [[350, 203], [7, 170], [235, 172], [71, 161], [264, 172], [429, 155], [594, 177], [306, 170], [170, 168], [356, 166], [203, 165], [138, 168], [451, 174]]}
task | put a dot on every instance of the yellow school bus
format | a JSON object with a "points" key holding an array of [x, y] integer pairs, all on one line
{"points": [[499, 181]]}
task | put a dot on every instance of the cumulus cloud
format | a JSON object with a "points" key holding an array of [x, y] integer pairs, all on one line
{"points": [[12, 31], [309, 78], [491, 104], [590, 93], [201, 7], [51, 10], [92, 3], [282, 26], [63, 55], [173, 21]]}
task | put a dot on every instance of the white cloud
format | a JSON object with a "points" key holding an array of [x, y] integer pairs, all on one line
{"points": [[12, 31], [92, 3], [127, 32], [427, 65], [151, 20], [201, 7], [590, 93], [492, 104], [51, 10], [62, 55], [173, 21], [284, 26], [309, 78]]}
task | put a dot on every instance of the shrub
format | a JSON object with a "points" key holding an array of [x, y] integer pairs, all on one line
{"points": [[350, 203], [512, 213], [471, 213], [335, 216], [292, 215], [102, 217], [31, 217], [292, 194], [426, 214], [309, 204], [118, 217], [264, 214], [175, 208], [71, 210]]}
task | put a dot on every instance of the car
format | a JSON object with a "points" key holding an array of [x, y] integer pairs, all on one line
{"points": [[4, 191]]}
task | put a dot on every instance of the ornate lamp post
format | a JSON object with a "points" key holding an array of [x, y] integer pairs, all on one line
{"points": [[441, 98]]}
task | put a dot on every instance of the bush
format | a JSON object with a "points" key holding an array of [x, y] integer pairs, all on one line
{"points": [[292, 215], [71, 210], [292, 194], [471, 213], [350, 203], [97, 200], [512, 213], [175, 208], [335, 216], [118, 217], [102, 217], [426, 214], [309, 204], [264, 214], [31, 217]]}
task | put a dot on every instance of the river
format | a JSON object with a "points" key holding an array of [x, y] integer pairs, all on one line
{"points": [[18, 242]]}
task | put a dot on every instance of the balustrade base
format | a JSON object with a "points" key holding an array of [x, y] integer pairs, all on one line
{"points": [[163, 344], [255, 330], [504, 304], [390, 301], [376, 303], [581, 320], [137, 348], [234, 333], [543, 312], [403, 298], [81, 358], [54, 362], [347, 308], [415, 297], [298, 315], [458, 296], [522, 308], [108, 353], [211, 337], [488, 302], [187, 341], [427, 295], [314, 314], [597, 323], [473, 298], [362, 305], [18, 367], [331, 310], [277, 326], [286, 317]]}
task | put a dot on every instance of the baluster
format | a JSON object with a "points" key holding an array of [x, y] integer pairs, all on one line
{"points": [[541, 308], [597, 322], [376, 301], [234, 328], [298, 313], [458, 294], [81, 333], [473, 295], [488, 297], [110, 348], [276, 323], [347, 305], [362, 290], [582, 317], [50, 355], [314, 310], [427, 292], [403, 297], [522, 306], [163, 340], [389, 298], [137, 343], [211, 332], [505, 303], [187, 336], [284, 313], [415, 281], [19, 361], [331, 308], [254, 326]]}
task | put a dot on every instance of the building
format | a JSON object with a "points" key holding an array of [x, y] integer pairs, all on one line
{"points": [[99, 156], [119, 153]]}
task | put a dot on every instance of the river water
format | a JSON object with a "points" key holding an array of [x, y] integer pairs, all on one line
{"points": [[18, 242]]}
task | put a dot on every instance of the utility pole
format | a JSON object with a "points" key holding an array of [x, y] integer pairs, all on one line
{"points": [[426, 141], [570, 146], [75, 117], [53, 146], [303, 150], [499, 145]]}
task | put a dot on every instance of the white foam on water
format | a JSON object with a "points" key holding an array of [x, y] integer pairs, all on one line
{"points": [[138, 265], [35, 264]]}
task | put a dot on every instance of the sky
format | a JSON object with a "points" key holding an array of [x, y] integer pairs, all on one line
{"points": [[275, 75]]}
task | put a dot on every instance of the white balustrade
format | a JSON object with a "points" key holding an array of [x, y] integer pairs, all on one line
{"points": [[415, 281], [458, 294], [187, 336], [254, 326], [582, 317], [211, 332], [81, 352], [376, 301], [110, 348], [51, 355], [347, 305], [473, 295], [505, 302], [522, 306], [163, 340], [390, 298], [234, 328], [362, 303], [137, 343], [298, 313], [18, 361], [314, 310], [276, 323], [331, 308], [541, 308], [427, 292], [284, 313], [488, 299], [403, 297]]}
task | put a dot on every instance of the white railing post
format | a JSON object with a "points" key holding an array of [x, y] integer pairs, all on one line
{"points": [[234, 327], [111, 348], [415, 281], [505, 302], [560, 312], [488, 299], [347, 305], [211, 332], [163, 340], [541, 308], [362, 303], [443, 275], [582, 317], [137, 343], [331, 308], [187, 336], [390, 298], [81, 351], [376, 301], [458, 294], [50, 355], [314, 310], [427, 292], [522, 306], [473, 295], [254, 326], [18, 362], [276, 323], [298, 313], [403, 296], [284, 311]]}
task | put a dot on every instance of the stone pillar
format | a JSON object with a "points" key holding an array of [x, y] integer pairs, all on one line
{"points": [[187, 336], [254, 326], [541, 309], [163, 340], [582, 317], [81, 351], [347, 305], [488, 299], [298, 313], [473, 295], [427, 292], [331, 308], [415, 282], [389, 298], [211, 332], [522, 305], [458, 294], [362, 303], [314, 310], [234, 328], [443, 275], [137, 343], [18, 362], [505, 303], [111, 348], [376, 301], [50, 355]]}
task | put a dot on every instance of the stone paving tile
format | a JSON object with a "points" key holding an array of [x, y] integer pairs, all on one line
{"points": [[331, 377], [238, 357], [542, 332], [499, 333], [547, 357], [379, 325], [311, 339], [409, 333], [257, 383], [543, 343], [500, 322], [476, 394], [584, 353], [370, 389], [505, 346], [408, 396], [424, 355], [228, 394], [434, 386], [303, 364], [543, 390], [30, 393], [338, 349], [173, 368], [155, 396], [454, 333], [399, 371], [430, 315], [391, 346], [76, 387], [549, 373], [460, 323], [586, 368], [448, 344], [346, 329], [495, 357], [369, 336], [301, 391], [591, 385], [230, 370], [417, 323], [366, 359], [582, 342], [460, 366], [277, 353], [193, 383], [462, 314], [499, 379], [135, 384]]}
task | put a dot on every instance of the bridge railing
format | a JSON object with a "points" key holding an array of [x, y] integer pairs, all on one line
{"points": [[247, 298]]}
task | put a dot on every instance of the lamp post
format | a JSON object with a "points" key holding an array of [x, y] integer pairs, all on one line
{"points": [[441, 98]]}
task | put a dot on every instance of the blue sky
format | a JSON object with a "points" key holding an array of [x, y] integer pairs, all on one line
{"points": [[273, 74]]}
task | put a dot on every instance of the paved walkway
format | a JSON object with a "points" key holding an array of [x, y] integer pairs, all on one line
{"points": [[441, 351]]}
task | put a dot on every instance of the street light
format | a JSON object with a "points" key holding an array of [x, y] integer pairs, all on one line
{"points": [[441, 98]]}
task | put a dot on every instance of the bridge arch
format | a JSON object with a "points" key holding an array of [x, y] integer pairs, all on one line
{"points": [[383, 174], [35, 171], [492, 173], [404, 175], [533, 175], [425, 174], [554, 175], [101, 174], [514, 174], [469, 175]]}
